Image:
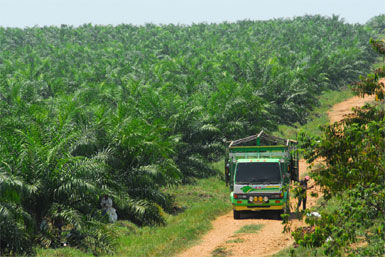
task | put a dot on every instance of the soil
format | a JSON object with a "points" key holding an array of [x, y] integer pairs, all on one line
{"points": [[269, 240], [338, 111]]}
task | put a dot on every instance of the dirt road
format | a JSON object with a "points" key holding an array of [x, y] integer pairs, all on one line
{"points": [[337, 112], [270, 239]]}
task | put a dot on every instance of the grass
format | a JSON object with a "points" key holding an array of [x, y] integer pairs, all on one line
{"points": [[252, 228], [199, 203], [203, 201], [220, 252], [235, 241], [62, 252], [317, 117]]}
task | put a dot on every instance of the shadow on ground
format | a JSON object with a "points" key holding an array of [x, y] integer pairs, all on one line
{"points": [[267, 215]]}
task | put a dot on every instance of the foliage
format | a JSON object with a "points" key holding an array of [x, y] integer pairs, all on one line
{"points": [[377, 23], [129, 110], [357, 220], [371, 84], [352, 152], [353, 174]]}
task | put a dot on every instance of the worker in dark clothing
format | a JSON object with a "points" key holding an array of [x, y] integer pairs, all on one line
{"points": [[302, 197], [227, 173]]}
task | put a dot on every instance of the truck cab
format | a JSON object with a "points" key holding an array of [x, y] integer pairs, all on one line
{"points": [[259, 174]]}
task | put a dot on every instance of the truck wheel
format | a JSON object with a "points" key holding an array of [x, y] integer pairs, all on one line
{"points": [[278, 214], [236, 214]]}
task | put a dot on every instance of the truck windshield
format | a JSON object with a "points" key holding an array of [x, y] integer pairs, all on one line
{"points": [[258, 172]]}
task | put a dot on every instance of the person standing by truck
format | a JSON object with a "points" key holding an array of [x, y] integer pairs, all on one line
{"points": [[227, 173], [302, 193]]}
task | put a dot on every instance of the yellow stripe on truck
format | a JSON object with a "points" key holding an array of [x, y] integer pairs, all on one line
{"points": [[244, 208]]}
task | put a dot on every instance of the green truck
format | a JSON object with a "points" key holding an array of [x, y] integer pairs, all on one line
{"points": [[258, 170]]}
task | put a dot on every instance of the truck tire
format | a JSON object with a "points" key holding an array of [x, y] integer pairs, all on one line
{"points": [[278, 214], [236, 214], [286, 210]]}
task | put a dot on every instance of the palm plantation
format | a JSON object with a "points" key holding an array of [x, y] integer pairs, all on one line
{"points": [[129, 110]]}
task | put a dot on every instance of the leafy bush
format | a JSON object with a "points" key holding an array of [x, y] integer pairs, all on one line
{"points": [[377, 23]]}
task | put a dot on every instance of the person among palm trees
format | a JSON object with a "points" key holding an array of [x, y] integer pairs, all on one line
{"points": [[107, 208], [106, 203]]}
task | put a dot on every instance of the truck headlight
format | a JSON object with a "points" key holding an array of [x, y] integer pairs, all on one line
{"points": [[266, 199], [251, 198]]}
